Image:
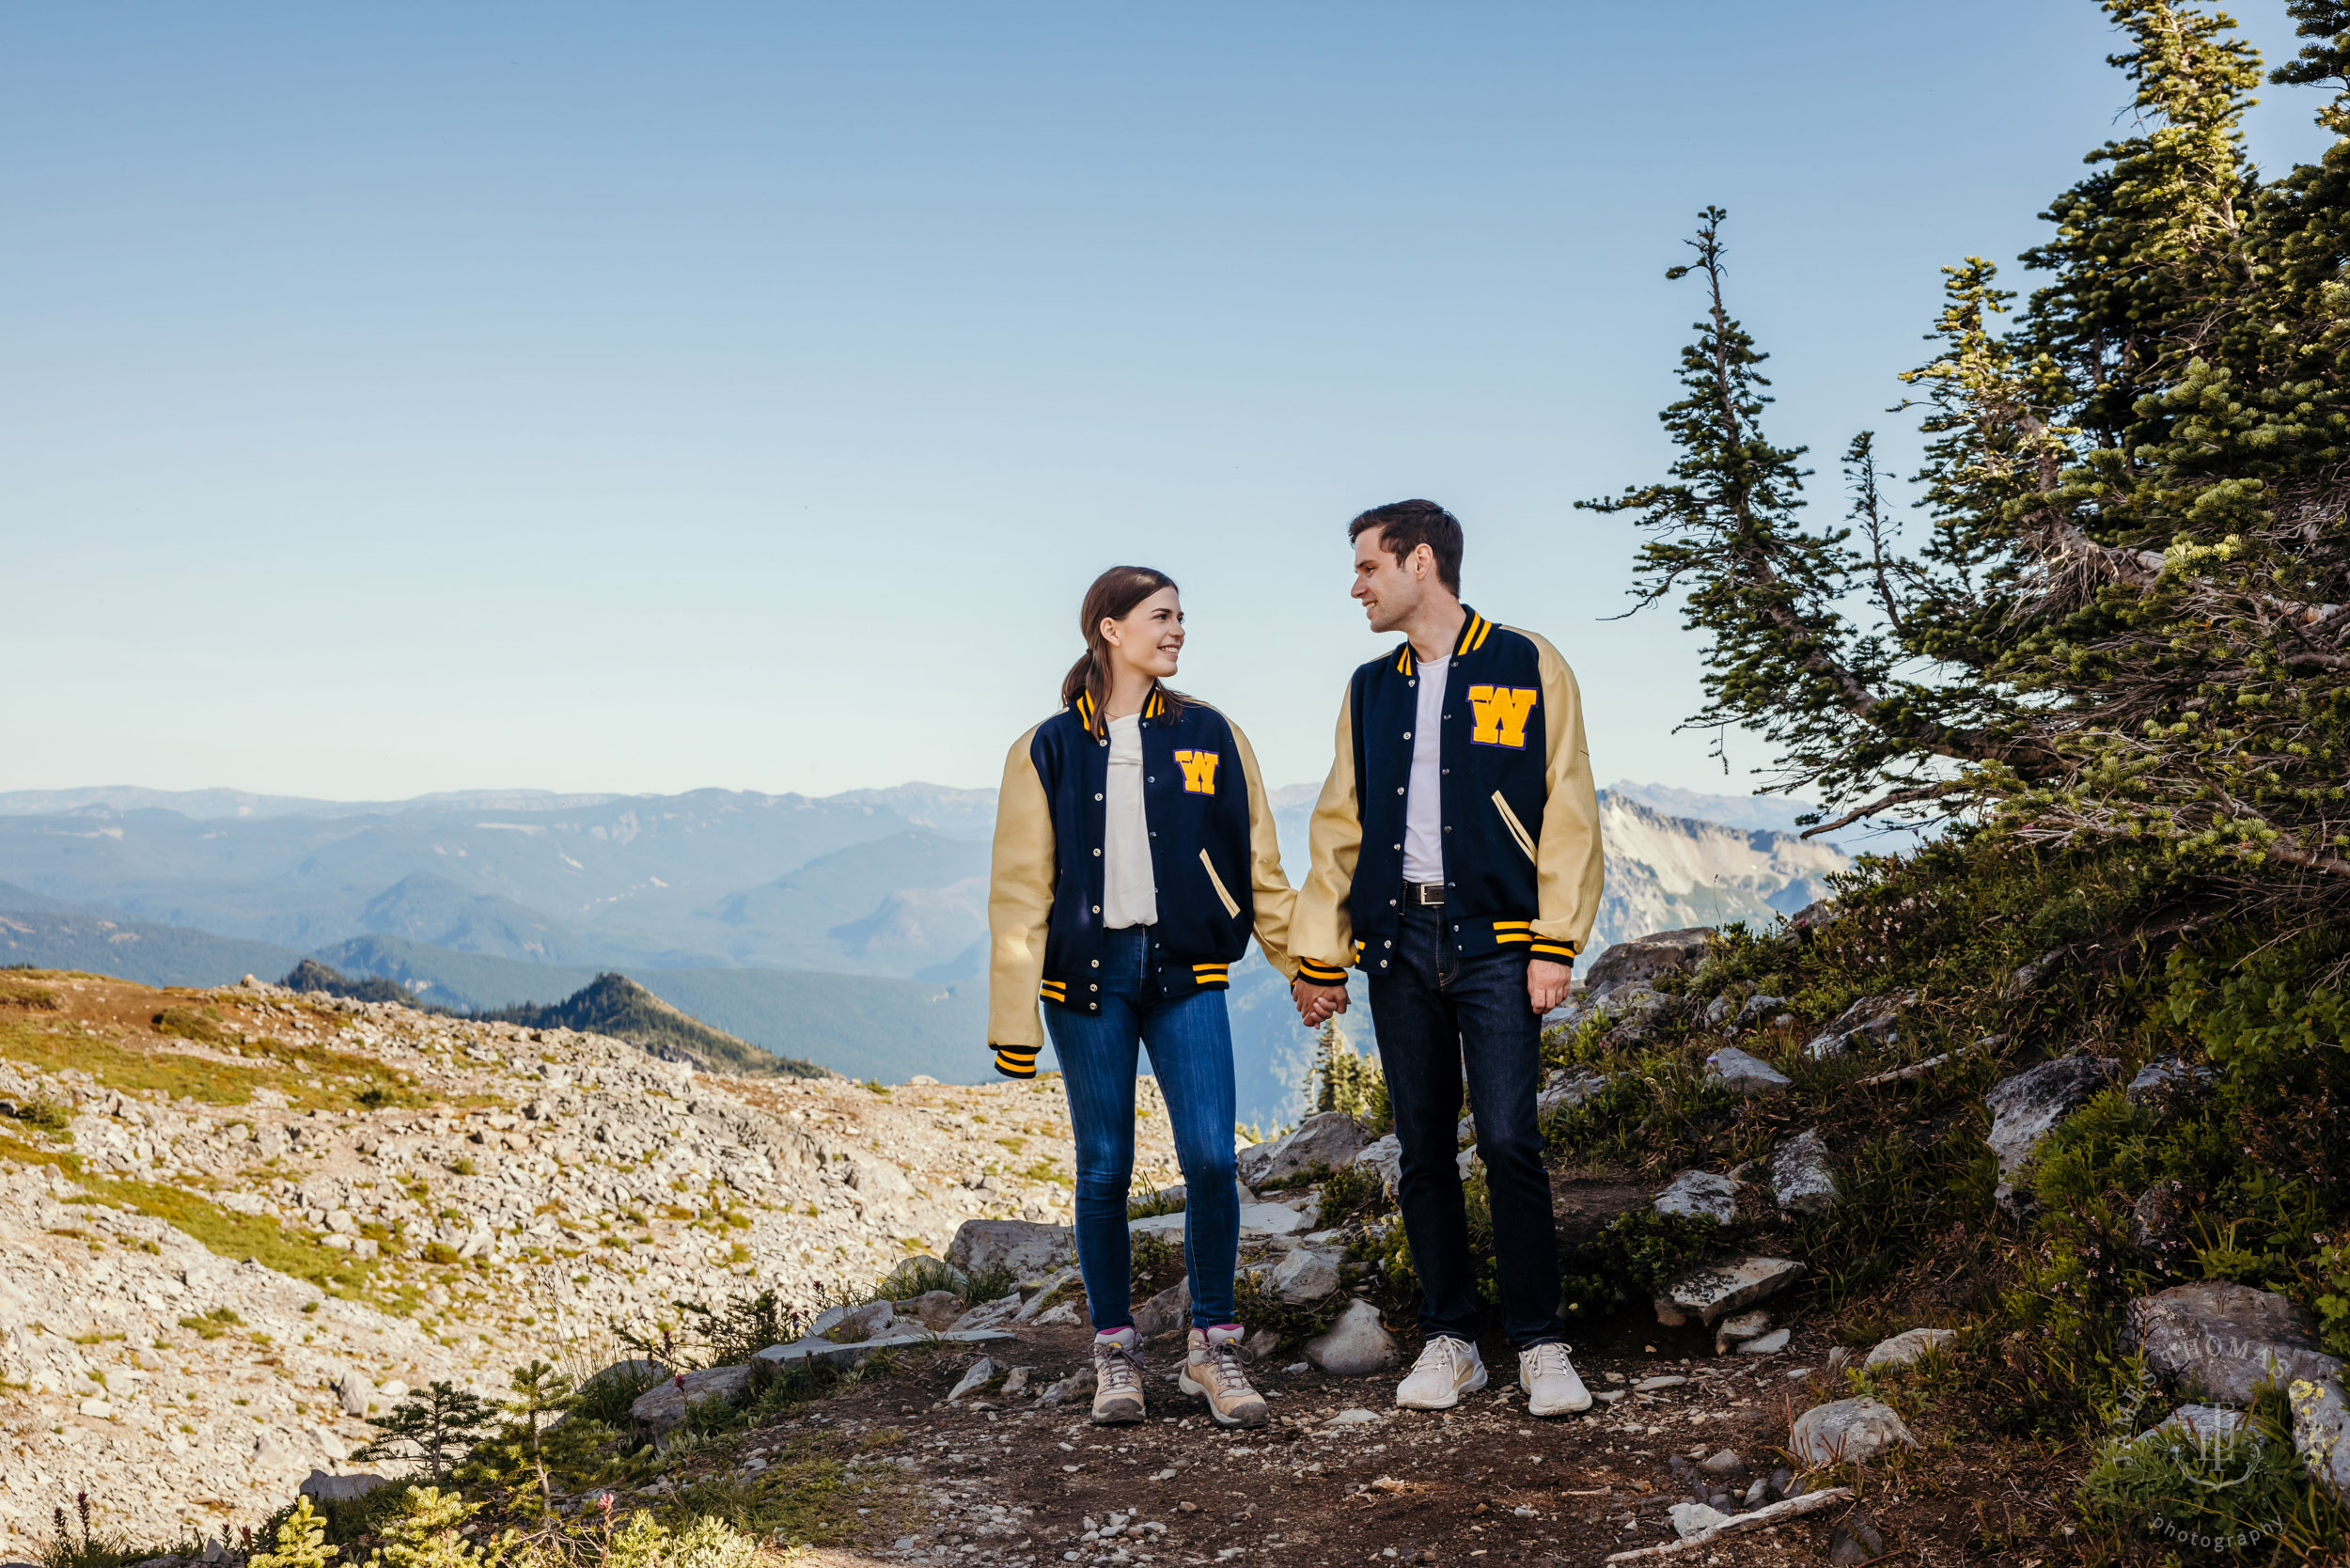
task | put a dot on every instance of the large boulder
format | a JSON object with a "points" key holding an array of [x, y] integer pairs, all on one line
{"points": [[1384, 1158], [1848, 1431], [1801, 1181], [1357, 1343], [1021, 1246], [2028, 1107], [1644, 960], [1327, 1139], [660, 1408], [2226, 1340]]}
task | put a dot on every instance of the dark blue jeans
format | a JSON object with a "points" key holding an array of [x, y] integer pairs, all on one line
{"points": [[1437, 1011], [1190, 1043]]}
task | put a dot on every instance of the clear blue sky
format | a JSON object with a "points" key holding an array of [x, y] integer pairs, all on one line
{"points": [[398, 398]]}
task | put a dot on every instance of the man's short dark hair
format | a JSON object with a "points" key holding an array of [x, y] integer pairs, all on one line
{"points": [[1405, 525]]}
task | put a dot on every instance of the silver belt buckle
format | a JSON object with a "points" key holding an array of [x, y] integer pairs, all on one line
{"points": [[1428, 895]]}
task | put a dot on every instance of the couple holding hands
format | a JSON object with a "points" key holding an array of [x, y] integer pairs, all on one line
{"points": [[1454, 861]]}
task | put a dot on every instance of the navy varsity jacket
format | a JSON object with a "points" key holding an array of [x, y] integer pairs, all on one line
{"points": [[1522, 861], [1214, 858]]}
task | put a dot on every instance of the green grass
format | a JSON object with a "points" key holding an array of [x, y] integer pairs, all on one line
{"points": [[310, 1076], [230, 1234]]}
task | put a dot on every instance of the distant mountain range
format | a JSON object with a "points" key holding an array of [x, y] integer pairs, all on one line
{"points": [[849, 930]]}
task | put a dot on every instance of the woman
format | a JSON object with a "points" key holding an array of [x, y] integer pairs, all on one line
{"points": [[1133, 856]]}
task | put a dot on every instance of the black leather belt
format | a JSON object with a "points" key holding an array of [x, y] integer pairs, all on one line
{"points": [[1424, 893]]}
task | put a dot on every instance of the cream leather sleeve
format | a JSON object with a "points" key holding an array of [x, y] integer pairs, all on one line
{"points": [[1321, 937], [1570, 869], [1019, 907], [1269, 887]]}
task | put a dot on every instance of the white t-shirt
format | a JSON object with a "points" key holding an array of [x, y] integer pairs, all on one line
{"points": [[1423, 808], [1130, 893]]}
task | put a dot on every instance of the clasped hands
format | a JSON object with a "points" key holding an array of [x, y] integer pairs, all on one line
{"points": [[1546, 986]]}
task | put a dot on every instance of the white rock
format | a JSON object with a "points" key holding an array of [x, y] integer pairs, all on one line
{"points": [[1274, 1219], [1689, 1518], [1903, 1348], [1801, 1181], [1847, 1432], [977, 1373], [2227, 1340], [1326, 1138], [1714, 1291], [1356, 1343], [1306, 1275], [1747, 1074], [1701, 1195], [1766, 1344], [2028, 1107]]}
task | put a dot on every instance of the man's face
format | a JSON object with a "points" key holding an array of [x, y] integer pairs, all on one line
{"points": [[1390, 591]]}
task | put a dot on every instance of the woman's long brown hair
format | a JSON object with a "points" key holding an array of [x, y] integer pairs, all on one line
{"points": [[1113, 597]]}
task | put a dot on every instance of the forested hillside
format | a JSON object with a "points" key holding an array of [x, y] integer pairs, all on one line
{"points": [[2110, 652]]}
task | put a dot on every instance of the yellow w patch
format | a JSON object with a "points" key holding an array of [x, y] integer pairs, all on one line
{"points": [[1501, 712], [1198, 771]]}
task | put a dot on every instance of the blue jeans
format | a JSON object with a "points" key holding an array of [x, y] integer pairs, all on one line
{"points": [[1191, 1051], [1437, 1011]]}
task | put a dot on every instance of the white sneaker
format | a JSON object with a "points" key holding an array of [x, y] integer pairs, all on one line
{"points": [[1447, 1369], [1552, 1387]]}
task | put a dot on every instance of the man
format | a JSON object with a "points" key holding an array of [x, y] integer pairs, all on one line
{"points": [[1456, 862]]}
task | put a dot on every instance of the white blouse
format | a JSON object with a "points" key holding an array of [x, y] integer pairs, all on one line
{"points": [[1130, 893]]}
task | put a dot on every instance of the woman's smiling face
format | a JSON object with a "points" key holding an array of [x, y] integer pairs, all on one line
{"points": [[1150, 637]]}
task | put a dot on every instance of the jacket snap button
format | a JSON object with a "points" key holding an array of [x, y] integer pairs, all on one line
{"points": [[1097, 852], [1097, 909], [1097, 963], [1398, 846], [1391, 941], [1447, 830], [1093, 988], [1390, 903], [1151, 779], [1398, 788], [1408, 735], [1097, 797], [1447, 771]]}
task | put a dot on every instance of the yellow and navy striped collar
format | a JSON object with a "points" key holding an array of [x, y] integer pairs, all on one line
{"points": [[1473, 635], [1153, 707]]}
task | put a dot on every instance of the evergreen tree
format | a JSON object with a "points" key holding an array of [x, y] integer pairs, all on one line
{"points": [[438, 1427], [2124, 617]]}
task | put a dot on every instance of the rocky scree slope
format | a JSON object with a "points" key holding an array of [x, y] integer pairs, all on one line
{"points": [[235, 1222]]}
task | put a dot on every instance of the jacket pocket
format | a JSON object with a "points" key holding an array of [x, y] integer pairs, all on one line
{"points": [[1517, 828], [1231, 905]]}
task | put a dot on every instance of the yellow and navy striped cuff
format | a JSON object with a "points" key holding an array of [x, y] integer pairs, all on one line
{"points": [[1557, 952], [1212, 974], [1320, 973], [1016, 1061], [1054, 991]]}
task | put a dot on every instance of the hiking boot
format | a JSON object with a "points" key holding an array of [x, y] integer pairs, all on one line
{"points": [[1116, 1378], [1212, 1370], [1447, 1369], [1552, 1387]]}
